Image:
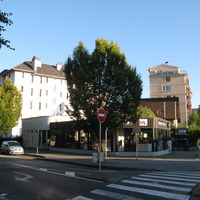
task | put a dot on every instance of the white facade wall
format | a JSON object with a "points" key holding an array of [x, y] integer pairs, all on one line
{"points": [[43, 94]]}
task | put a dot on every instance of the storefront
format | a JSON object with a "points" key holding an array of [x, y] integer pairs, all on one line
{"points": [[148, 136]]}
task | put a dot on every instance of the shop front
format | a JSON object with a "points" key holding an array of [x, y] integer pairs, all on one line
{"points": [[146, 137]]}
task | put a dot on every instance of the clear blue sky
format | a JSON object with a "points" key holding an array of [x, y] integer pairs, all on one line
{"points": [[149, 32]]}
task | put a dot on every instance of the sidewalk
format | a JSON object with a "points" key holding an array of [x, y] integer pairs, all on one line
{"points": [[176, 161]]}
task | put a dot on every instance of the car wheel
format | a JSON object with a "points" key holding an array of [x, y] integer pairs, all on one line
{"points": [[7, 152]]}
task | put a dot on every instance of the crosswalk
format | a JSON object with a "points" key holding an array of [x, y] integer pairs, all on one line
{"points": [[147, 186]]}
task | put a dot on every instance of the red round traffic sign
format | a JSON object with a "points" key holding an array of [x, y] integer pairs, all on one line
{"points": [[101, 115]]}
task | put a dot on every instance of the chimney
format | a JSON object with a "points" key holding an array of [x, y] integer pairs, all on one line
{"points": [[59, 66], [36, 62]]}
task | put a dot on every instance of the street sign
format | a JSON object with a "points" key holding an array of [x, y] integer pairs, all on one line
{"points": [[101, 115]]}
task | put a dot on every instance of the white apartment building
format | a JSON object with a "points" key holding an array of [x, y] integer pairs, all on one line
{"points": [[169, 81], [44, 90]]}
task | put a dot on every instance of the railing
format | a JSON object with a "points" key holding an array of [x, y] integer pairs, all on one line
{"points": [[166, 73]]}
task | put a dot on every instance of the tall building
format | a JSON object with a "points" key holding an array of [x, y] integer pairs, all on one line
{"points": [[43, 87], [169, 81]]}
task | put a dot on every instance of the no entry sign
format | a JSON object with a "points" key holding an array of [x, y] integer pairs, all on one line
{"points": [[101, 115]]}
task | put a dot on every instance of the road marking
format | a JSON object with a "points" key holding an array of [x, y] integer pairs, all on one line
{"points": [[168, 195], [113, 195], [3, 195], [164, 181], [51, 172], [157, 185], [81, 198], [43, 169], [171, 178], [72, 174], [176, 175], [25, 178]]}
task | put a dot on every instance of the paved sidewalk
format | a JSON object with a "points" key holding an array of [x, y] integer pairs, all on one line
{"points": [[176, 161]]}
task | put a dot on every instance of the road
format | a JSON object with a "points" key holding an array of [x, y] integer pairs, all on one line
{"points": [[24, 177]]}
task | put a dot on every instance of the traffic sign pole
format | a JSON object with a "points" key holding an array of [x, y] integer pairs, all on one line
{"points": [[101, 115], [99, 147]]}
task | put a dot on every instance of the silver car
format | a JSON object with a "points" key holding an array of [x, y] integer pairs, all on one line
{"points": [[11, 147]]}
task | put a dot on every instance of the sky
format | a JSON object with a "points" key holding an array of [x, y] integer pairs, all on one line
{"points": [[148, 32]]}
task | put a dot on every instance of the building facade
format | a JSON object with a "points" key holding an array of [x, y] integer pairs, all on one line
{"points": [[165, 108], [168, 81], [43, 87]]}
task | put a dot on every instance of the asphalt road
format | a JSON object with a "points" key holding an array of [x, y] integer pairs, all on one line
{"points": [[24, 177], [32, 179]]}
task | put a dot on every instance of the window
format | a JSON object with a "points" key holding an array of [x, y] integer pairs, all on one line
{"points": [[40, 92], [22, 88], [40, 79], [31, 91], [22, 74], [166, 88], [60, 94], [166, 79], [67, 95], [54, 88], [32, 78], [39, 105], [30, 105], [47, 80], [46, 92], [46, 105]]}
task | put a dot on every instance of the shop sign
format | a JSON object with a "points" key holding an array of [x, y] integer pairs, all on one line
{"points": [[143, 122], [161, 123]]}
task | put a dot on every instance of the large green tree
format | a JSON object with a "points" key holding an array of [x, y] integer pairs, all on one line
{"points": [[4, 20], [10, 106], [102, 78], [145, 112]]}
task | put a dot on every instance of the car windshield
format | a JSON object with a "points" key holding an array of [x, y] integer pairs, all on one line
{"points": [[14, 143]]}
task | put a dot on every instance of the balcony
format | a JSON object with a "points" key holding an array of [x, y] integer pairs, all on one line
{"points": [[159, 73]]}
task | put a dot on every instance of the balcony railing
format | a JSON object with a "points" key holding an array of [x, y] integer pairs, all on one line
{"points": [[166, 73]]}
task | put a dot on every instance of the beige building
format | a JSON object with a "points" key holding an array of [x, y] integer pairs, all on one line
{"points": [[169, 81]]}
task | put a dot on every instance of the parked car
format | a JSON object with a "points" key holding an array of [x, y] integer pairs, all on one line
{"points": [[11, 147]]}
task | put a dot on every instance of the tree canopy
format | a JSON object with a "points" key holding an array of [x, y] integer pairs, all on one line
{"points": [[10, 106], [102, 78], [145, 112], [4, 20], [194, 125]]}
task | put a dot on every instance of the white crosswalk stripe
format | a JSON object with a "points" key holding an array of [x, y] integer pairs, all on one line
{"points": [[168, 195], [170, 178], [81, 198], [168, 185], [113, 195], [165, 181], [183, 189]]}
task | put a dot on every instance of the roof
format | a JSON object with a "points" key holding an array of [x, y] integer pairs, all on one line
{"points": [[45, 70], [165, 68]]}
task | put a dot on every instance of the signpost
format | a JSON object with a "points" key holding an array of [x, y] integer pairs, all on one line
{"points": [[101, 115]]}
